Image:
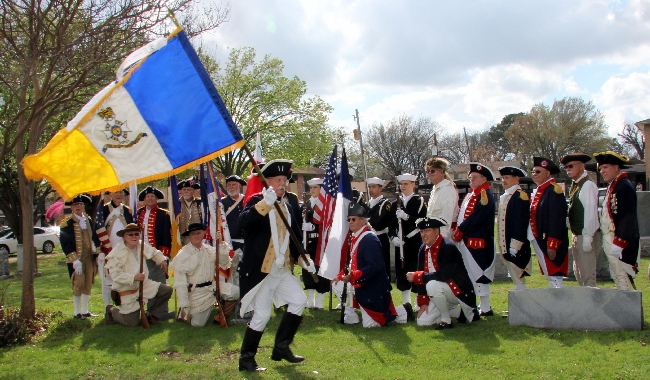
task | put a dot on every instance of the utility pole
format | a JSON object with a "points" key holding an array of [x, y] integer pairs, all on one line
{"points": [[469, 152], [357, 136]]}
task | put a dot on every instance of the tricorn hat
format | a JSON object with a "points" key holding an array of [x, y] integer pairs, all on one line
{"points": [[235, 178], [357, 209], [430, 222], [131, 227], [150, 190], [575, 157], [85, 198], [546, 164], [476, 167], [277, 167], [612, 158], [193, 227], [512, 170]]}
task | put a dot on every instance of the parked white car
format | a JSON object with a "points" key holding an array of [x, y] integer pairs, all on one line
{"points": [[45, 239]]}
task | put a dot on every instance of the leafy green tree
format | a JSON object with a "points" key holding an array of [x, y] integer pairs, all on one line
{"points": [[54, 55], [260, 98], [569, 125]]}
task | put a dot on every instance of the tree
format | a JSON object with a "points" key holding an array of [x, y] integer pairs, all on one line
{"points": [[260, 98], [633, 141], [54, 56], [496, 138], [403, 144], [570, 125]]}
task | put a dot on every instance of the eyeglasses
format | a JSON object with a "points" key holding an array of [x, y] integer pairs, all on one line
{"points": [[353, 219], [132, 234], [432, 171], [536, 171]]}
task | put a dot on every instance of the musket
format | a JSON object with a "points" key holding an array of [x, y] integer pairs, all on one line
{"points": [[222, 316], [400, 232], [304, 219], [143, 314], [344, 295], [278, 210]]}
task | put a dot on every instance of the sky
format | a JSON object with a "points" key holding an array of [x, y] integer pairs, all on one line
{"points": [[461, 63]]}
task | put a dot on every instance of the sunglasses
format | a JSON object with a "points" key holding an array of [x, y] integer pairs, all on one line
{"points": [[132, 234], [432, 171], [536, 171], [353, 219]]}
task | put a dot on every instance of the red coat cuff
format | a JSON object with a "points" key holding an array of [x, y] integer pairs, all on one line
{"points": [[454, 225], [553, 243], [417, 278], [340, 275], [355, 275], [423, 299], [620, 242], [165, 250], [454, 288], [458, 234]]}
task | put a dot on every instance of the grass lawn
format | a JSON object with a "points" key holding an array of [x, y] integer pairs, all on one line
{"points": [[484, 350]]}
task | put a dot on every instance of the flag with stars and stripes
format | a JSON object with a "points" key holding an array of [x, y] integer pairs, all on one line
{"points": [[324, 208], [331, 259]]}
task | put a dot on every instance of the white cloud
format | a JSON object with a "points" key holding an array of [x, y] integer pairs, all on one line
{"points": [[624, 100]]}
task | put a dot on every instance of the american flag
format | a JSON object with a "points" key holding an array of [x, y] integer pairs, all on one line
{"points": [[324, 209], [331, 259]]}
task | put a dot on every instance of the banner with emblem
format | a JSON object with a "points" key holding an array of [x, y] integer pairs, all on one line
{"points": [[161, 116]]}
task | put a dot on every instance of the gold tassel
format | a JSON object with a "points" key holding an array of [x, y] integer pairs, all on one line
{"points": [[523, 195], [484, 199], [558, 188]]}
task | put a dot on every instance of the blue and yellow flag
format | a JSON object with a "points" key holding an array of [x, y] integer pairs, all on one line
{"points": [[161, 116]]}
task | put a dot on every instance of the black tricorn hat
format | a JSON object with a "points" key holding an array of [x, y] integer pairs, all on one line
{"points": [[235, 178], [150, 190], [612, 158], [575, 157], [277, 167], [85, 198], [546, 164], [193, 227], [357, 209], [131, 227], [430, 222], [512, 170], [475, 167]]}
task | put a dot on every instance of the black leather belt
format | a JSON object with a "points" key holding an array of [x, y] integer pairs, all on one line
{"points": [[312, 235], [201, 285]]}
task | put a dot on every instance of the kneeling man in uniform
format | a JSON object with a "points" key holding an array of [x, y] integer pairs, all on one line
{"points": [[442, 279], [123, 262]]}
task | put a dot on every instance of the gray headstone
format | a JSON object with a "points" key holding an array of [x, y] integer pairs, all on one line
{"points": [[4, 262], [642, 207], [576, 308]]}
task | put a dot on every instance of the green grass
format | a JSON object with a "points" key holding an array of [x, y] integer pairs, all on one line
{"points": [[484, 350]]}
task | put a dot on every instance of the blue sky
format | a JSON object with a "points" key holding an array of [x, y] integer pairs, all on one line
{"points": [[464, 64]]}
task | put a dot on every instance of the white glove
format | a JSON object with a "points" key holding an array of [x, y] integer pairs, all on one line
{"points": [[617, 251], [513, 251], [269, 196], [586, 243], [401, 214], [397, 242], [307, 227], [78, 267], [309, 267]]}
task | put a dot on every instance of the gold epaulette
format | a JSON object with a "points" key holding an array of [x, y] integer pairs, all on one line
{"points": [[163, 209], [484, 199], [523, 195], [64, 222], [558, 188], [127, 207]]}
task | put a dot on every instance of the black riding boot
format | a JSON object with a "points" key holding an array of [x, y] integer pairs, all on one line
{"points": [[284, 337], [249, 349]]}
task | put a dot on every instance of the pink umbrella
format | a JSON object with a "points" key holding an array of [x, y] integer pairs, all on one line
{"points": [[55, 209]]}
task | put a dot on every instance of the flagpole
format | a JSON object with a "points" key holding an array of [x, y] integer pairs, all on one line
{"points": [[294, 238], [363, 156], [222, 317]]}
